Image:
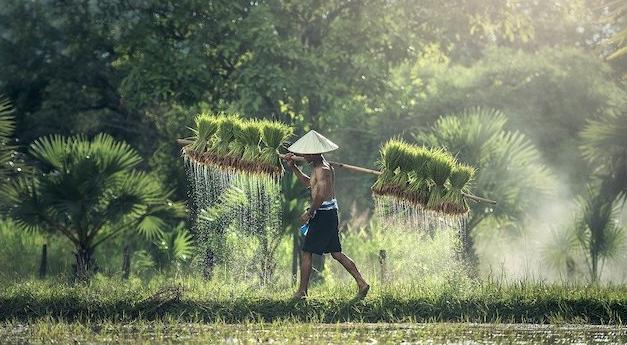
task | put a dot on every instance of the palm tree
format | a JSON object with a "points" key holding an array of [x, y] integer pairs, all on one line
{"points": [[89, 192], [605, 148], [509, 167], [597, 231], [172, 248], [560, 252]]}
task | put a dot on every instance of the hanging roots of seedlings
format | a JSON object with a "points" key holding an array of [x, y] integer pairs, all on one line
{"points": [[428, 178], [229, 142]]}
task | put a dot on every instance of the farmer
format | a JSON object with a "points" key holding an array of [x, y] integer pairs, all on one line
{"points": [[321, 216]]}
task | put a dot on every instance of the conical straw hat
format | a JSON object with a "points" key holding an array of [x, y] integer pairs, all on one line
{"points": [[312, 143]]}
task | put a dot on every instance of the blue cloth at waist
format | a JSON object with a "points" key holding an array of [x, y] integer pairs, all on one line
{"points": [[328, 205]]}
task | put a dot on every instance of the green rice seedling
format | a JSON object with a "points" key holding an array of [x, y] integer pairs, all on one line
{"points": [[390, 154], [237, 145], [418, 188], [248, 145], [405, 165], [251, 138], [273, 136], [440, 165], [459, 178], [224, 134], [390, 161], [206, 126]]}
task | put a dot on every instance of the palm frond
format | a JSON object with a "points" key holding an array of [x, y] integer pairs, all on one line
{"points": [[7, 125], [509, 167], [7, 121]]}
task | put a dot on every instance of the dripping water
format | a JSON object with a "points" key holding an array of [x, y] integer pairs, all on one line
{"points": [[238, 220]]}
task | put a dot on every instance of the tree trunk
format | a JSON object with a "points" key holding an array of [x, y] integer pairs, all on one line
{"points": [[595, 264], [469, 257], [126, 262], [84, 262], [43, 264]]}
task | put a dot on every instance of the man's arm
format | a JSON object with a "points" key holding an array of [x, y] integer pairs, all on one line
{"points": [[304, 179]]}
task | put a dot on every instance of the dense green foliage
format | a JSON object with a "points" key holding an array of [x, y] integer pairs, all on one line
{"points": [[88, 191], [361, 72]]}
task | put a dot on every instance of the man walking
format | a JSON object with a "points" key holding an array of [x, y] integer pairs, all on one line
{"points": [[322, 215]]}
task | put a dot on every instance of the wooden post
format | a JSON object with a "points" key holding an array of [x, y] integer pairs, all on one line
{"points": [[126, 262], [383, 263], [43, 264]]}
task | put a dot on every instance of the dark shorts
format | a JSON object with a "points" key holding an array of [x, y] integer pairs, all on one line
{"points": [[323, 235]]}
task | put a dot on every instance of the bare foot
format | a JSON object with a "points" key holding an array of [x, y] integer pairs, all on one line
{"points": [[299, 295], [363, 291]]}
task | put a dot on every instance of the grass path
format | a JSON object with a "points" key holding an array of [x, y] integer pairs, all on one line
{"points": [[195, 301]]}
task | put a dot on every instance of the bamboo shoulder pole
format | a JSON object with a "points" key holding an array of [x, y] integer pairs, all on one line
{"points": [[354, 168]]}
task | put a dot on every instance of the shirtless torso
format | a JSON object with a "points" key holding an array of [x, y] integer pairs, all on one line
{"points": [[322, 182]]}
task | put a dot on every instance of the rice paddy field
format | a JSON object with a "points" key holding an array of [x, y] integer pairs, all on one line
{"points": [[316, 333]]}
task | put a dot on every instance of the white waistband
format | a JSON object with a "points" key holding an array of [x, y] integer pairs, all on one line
{"points": [[328, 205]]}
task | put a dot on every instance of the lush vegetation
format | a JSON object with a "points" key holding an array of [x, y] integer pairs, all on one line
{"points": [[195, 300], [523, 102]]}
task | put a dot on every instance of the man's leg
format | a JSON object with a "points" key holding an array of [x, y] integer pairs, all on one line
{"points": [[350, 266], [305, 271]]}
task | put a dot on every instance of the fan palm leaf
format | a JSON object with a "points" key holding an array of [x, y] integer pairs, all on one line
{"points": [[90, 192], [7, 125]]}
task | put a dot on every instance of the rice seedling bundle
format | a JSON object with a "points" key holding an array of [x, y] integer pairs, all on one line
{"points": [[440, 165], [228, 141], [236, 147], [251, 135], [389, 163], [273, 136], [454, 201], [224, 135], [419, 186], [429, 178], [206, 127]]}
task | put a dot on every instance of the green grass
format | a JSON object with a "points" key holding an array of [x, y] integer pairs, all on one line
{"points": [[193, 300]]}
